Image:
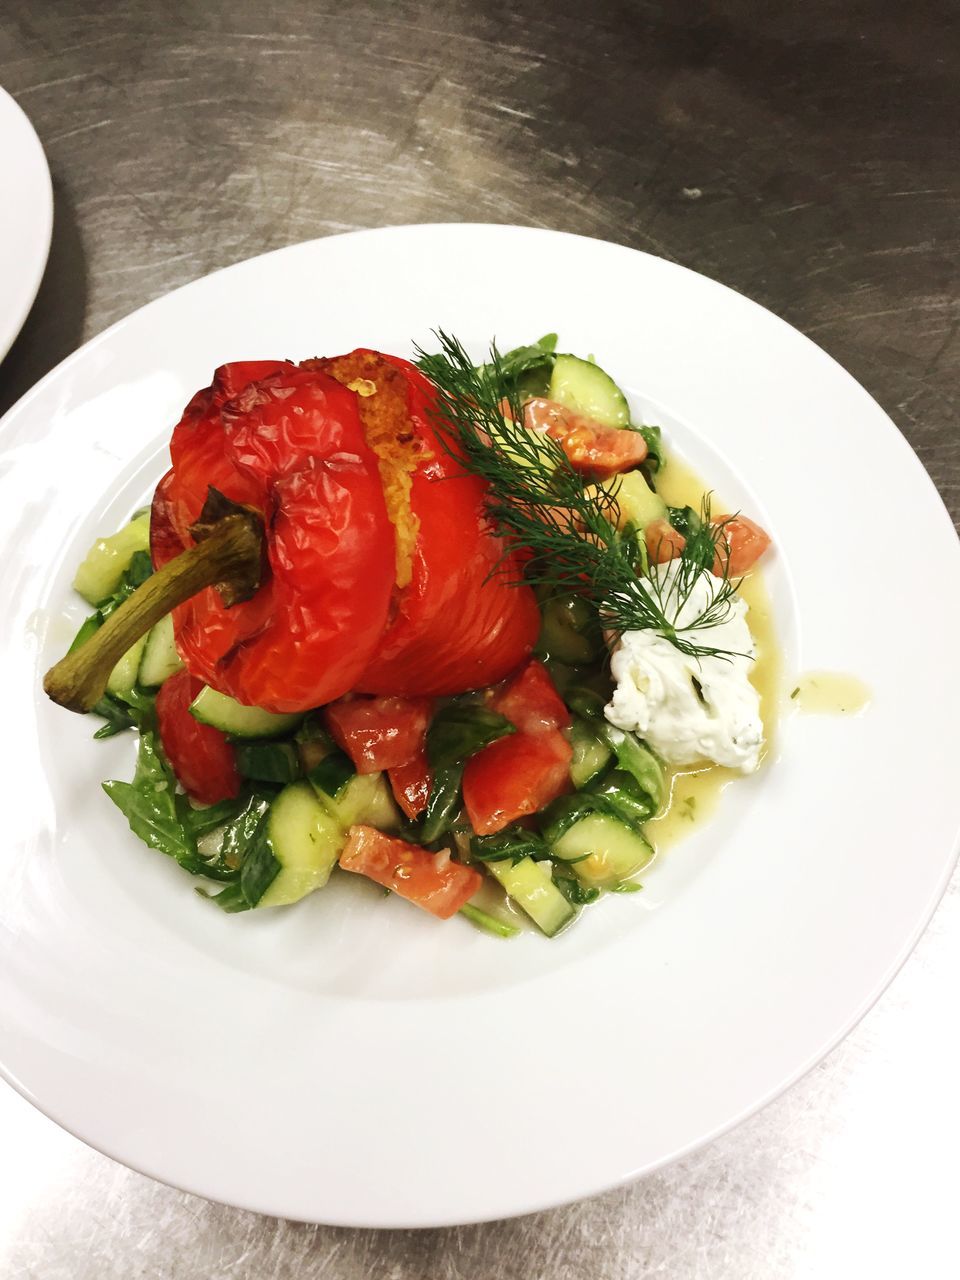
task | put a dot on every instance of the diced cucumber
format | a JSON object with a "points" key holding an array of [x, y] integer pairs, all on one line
{"points": [[570, 631], [531, 887], [365, 798], [615, 851], [160, 658], [585, 388], [637, 501], [106, 562], [268, 761], [590, 755], [305, 841], [124, 675], [237, 720]]}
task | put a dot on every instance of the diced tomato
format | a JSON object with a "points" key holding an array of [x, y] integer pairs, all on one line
{"points": [[741, 544], [200, 756], [411, 783], [594, 449], [663, 541], [432, 881], [381, 732], [515, 776], [530, 701]]}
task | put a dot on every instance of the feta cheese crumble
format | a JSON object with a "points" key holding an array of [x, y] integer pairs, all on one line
{"points": [[690, 710]]}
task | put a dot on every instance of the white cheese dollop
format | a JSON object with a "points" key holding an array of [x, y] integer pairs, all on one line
{"points": [[690, 710]]}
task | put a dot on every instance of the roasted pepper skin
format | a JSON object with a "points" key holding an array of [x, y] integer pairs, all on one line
{"points": [[329, 617], [290, 445]]}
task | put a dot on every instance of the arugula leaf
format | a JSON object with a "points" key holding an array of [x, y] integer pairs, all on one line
{"points": [[527, 369], [515, 843], [460, 730], [260, 865], [149, 804], [443, 803], [574, 892], [230, 899]]}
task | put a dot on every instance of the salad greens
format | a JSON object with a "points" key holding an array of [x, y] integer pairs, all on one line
{"points": [[301, 795]]}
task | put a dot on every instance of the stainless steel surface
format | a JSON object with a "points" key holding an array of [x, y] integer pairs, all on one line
{"points": [[805, 155]]}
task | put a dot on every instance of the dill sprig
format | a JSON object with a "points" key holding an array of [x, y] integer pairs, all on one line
{"points": [[569, 531]]}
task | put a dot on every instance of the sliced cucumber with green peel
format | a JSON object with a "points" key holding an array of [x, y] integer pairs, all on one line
{"points": [[107, 560], [304, 840], [615, 852], [160, 658], [531, 887], [590, 754], [237, 720], [124, 675], [364, 798], [637, 501], [585, 388]]}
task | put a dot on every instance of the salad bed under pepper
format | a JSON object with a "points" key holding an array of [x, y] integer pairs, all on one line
{"points": [[404, 673]]}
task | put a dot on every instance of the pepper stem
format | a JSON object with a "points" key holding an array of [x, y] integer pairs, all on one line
{"points": [[228, 557]]}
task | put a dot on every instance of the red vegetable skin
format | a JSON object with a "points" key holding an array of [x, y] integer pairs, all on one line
{"points": [[432, 881], [596, 450], [411, 783], [455, 627], [292, 447], [379, 733], [199, 755], [741, 544], [530, 701], [515, 776]]}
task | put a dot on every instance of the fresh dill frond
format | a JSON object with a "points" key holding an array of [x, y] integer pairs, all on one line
{"points": [[567, 530]]}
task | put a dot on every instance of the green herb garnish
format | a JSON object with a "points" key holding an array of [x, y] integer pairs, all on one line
{"points": [[568, 528]]}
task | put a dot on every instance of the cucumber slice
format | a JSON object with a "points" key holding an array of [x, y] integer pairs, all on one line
{"points": [[124, 675], [590, 755], [160, 658], [615, 851], [106, 562], [233, 718], [531, 887], [637, 501], [305, 841], [366, 798], [585, 388]]}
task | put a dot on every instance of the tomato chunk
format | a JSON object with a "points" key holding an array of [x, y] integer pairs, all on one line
{"points": [[432, 881], [200, 756], [740, 544], [590, 447], [515, 776], [411, 783], [379, 733], [530, 701], [663, 541]]}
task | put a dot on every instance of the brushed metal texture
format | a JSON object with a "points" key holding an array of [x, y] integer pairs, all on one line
{"points": [[805, 155]]}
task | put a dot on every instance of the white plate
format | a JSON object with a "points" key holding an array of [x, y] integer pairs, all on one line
{"points": [[352, 1061], [26, 218]]}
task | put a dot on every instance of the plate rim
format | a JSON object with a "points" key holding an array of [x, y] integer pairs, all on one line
{"points": [[846, 1024]]}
